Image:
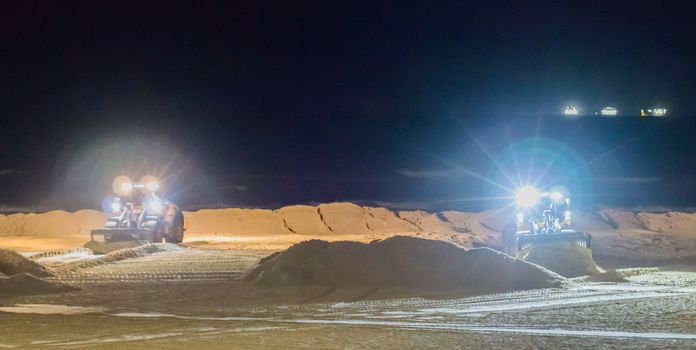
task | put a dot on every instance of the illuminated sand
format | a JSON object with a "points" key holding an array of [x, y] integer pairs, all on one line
{"points": [[23, 284], [565, 258], [196, 299], [12, 263], [621, 238], [22, 276]]}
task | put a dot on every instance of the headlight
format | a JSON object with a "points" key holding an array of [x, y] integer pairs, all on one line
{"points": [[527, 196], [152, 186], [556, 196], [520, 218], [155, 206], [116, 206], [122, 186], [126, 187]]}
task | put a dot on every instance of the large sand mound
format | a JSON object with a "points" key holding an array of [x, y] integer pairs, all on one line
{"points": [[234, 221], [12, 263], [565, 258], [304, 219], [57, 223], [27, 284], [617, 234], [400, 262]]}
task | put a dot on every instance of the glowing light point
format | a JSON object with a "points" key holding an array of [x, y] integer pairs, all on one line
{"points": [[570, 110], [527, 196], [556, 196], [127, 187], [520, 217], [609, 111], [152, 186]]}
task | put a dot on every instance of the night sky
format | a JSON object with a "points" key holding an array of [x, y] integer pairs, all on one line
{"points": [[409, 105]]}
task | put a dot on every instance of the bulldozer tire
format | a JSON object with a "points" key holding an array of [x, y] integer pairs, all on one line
{"points": [[177, 236], [157, 236]]}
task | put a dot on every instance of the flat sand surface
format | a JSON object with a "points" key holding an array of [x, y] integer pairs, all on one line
{"points": [[194, 298]]}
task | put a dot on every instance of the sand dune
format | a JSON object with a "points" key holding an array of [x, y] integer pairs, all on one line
{"points": [[57, 223], [303, 218], [616, 232]]}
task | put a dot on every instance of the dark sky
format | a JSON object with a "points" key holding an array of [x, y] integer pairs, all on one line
{"points": [[396, 103]]}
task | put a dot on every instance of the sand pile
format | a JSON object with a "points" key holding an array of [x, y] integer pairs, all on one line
{"points": [[616, 233], [22, 278], [565, 258], [234, 221], [12, 263], [55, 253], [27, 284], [304, 219], [399, 261], [670, 222], [122, 254], [457, 227], [57, 223]]}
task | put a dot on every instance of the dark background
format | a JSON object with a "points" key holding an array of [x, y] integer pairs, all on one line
{"points": [[403, 104]]}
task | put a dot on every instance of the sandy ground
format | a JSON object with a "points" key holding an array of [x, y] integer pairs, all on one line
{"points": [[194, 297]]}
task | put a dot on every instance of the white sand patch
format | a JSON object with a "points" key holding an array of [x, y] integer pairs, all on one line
{"points": [[50, 309]]}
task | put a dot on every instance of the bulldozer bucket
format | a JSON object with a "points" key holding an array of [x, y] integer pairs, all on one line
{"points": [[525, 240], [568, 252], [108, 235]]}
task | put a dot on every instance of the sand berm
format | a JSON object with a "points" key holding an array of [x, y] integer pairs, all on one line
{"points": [[25, 276], [400, 261]]}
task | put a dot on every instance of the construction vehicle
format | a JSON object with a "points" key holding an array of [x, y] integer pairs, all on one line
{"points": [[542, 218], [140, 216]]}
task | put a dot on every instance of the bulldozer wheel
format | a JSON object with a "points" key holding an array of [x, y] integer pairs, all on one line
{"points": [[177, 236], [157, 236]]}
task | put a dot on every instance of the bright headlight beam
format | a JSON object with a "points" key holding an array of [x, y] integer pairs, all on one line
{"points": [[556, 196], [127, 187], [155, 205], [528, 196], [152, 186]]}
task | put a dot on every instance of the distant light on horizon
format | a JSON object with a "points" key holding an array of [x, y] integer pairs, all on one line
{"points": [[654, 112], [570, 110], [611, 111]]}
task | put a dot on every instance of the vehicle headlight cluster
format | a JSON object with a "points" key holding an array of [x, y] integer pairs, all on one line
{"points": [[116, 206], [155, 206], [520, 218], [123, 185], [528, 196]]}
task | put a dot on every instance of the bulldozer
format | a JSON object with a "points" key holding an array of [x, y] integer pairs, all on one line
{"points": [[138, 216], [543, 218]]}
